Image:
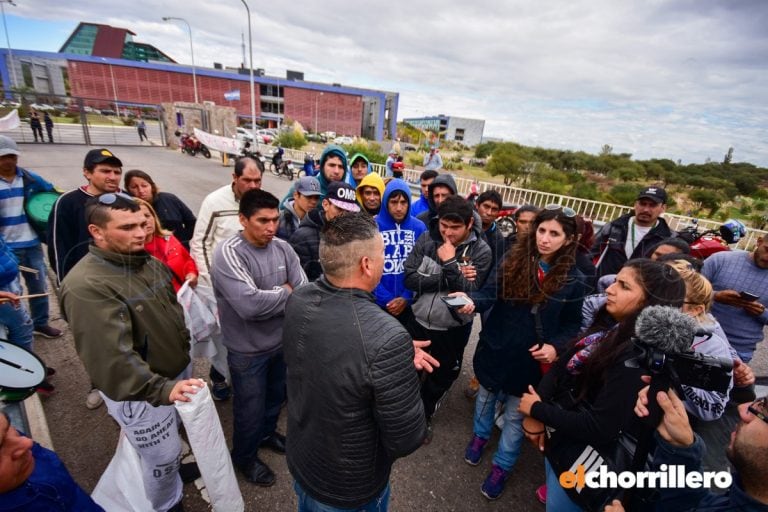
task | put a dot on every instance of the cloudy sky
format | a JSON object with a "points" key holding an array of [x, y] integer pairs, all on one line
{"points": [[679, 79]]}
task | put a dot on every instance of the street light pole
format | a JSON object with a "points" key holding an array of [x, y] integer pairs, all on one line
{"points": [[191, 51], [114, 89], [253, 96], [317, 98], [8, 41]]}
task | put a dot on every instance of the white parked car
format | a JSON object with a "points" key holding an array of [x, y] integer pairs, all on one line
{"points": [[343, 140], [245, 135]]}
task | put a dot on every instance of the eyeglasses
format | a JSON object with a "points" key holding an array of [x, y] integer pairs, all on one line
{"points": [[110, 198], [760, 408], [568, 212]]}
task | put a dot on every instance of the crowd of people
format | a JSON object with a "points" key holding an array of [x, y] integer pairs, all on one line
{"points": [[351, 304]]}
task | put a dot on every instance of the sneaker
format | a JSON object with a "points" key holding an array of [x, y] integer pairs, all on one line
{"points": [[221, 390], [474, 453], [472, 388], [45, 388], [541, 494], [494, 483], [46, 331], [93, 400]]}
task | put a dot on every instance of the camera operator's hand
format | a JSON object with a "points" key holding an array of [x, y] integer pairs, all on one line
{"points": [[742, 374], [674, 427]]}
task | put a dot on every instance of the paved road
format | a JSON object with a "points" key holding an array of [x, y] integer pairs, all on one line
{"points": [[101, 135], [434, 478]]}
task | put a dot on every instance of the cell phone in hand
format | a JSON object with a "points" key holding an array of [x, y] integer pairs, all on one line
{"points": [[751, 297], [457, 301]]}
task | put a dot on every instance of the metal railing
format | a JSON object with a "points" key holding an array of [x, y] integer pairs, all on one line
{"points": [[598, 211]]}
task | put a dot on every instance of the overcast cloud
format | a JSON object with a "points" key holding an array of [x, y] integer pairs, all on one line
{"points": [[668, 79]]}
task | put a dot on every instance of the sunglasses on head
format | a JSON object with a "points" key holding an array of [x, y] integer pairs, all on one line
{"points": [[568, 212], [760, 408], [110, 198]]}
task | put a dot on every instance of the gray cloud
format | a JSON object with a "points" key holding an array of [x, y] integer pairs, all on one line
{"points": [[678, 78]]}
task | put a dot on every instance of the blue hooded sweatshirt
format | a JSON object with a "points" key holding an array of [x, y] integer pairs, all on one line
{"points": [[330, 150], [399, 240]]}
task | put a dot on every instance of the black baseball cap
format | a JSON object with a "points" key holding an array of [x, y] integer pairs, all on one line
{"points": [[100, 156], [343, 196], [657, 194]]}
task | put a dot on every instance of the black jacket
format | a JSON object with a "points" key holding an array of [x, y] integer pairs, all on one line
{"points": [[306, 242], [353, 394], [502, 360], [614, 236], [175, 216]]}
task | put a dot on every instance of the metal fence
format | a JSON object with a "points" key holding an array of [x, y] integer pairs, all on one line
{"points": [[88, 121], [598, 211]]}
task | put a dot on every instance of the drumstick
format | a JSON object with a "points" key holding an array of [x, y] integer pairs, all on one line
{"points": [[15, 365], [31, 296]]}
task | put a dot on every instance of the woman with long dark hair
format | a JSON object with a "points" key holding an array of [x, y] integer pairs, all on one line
{"points": [[536, 301], [588, 395]]}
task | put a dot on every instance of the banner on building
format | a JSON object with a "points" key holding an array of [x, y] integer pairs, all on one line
{"points": [[232, 95], [224, 144]]}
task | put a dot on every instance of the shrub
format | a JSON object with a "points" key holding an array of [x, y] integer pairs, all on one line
{"points": [[291, 139], [624, 193]]}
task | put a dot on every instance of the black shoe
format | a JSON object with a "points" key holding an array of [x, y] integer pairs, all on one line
{"points": [[45, 388], [275, 442], [189, 472], [258, 473]]}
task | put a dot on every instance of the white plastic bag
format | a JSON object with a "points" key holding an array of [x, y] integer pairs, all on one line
{"points": [[121, 487], [200, 318], [209, 446]]}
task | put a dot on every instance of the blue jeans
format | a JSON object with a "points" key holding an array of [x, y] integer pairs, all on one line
{"points": [[309, 504], [511, 435], [557, 499], [32, 257], [258, 382], [16, 318]]}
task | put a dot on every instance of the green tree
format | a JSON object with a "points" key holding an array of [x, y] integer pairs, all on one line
{"points": [[624, 193], [508, 160], [485, 149], [708, 199], [586, 190]]}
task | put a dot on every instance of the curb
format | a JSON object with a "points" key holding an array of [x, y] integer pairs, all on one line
{"points": [[38, 425]]}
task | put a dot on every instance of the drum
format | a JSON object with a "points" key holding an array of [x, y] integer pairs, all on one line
{"points": [[21, 372], [38, 207]]}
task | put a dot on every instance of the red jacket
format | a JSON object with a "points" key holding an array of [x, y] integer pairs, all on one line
{"points": [[169, 250]]}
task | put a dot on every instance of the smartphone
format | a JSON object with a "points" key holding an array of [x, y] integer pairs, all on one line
{"points": [[457, 301], [751, 297]]}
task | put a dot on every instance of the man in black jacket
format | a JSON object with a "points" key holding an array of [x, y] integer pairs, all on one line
{"points": [[353, 394], [633, 235]]}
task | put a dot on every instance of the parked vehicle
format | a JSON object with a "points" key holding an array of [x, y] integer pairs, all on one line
{"points": [[191, 145], [343, 140], [708, 242], [283, 168]]}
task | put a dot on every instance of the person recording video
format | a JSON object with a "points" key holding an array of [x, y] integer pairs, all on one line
{"points": [[677, 444]]}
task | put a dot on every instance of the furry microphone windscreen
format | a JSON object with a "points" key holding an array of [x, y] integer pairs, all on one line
{"points": [[666, 328]]}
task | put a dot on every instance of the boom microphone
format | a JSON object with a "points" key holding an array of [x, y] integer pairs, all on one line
{"points": [[666, 329]]}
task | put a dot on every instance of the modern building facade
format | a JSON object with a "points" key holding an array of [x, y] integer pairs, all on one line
{"points": [[106, 41], [460, 129], [85, 70]]}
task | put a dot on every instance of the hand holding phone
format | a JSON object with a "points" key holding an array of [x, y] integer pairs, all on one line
{"points": [[457, 301], [751, 297]]}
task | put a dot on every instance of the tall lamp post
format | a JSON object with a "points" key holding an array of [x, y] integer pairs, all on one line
{"points": [[8, 42], [250, 49], [114, 89], [191, 51], [317, 98]]}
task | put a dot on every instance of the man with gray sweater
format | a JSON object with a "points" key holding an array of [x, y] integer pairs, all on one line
{"points": [[253, 275]]}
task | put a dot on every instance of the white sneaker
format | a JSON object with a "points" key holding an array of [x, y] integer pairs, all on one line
{"points": [[93, 400]]}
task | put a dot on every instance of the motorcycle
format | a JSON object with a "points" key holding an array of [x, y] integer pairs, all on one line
{"points": [[246, 151], [283, 167], [708, 242], [309, 168], [191, 145]]}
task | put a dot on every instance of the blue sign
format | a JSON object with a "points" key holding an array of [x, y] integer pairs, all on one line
{"points": [[232, 95]]}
